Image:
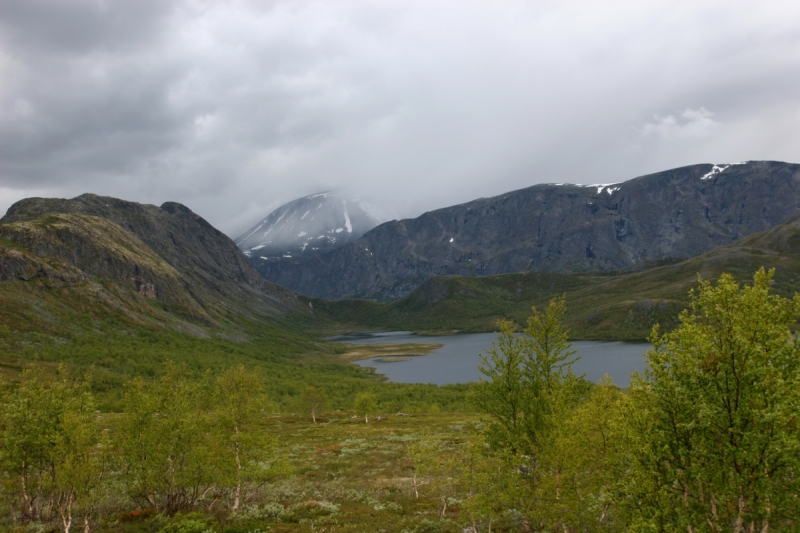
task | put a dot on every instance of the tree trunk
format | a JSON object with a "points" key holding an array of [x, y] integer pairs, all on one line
{"points": [[238, 489], [605, 513], [740, 517], [65, 511], [27, 508]]}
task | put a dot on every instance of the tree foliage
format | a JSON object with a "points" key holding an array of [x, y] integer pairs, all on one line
{"points": [[246, 453], [529, 380], [366, 403], [163, 441], [313, 401], [718, 415], [53, 452]]}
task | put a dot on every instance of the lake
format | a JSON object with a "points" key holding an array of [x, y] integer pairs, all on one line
{"points": [[457, 361]]}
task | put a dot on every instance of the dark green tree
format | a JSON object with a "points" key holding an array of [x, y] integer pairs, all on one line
{"points": [[503, 395]]}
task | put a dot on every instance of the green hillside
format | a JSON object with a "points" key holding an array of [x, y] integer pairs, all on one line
{"points": [[84, 291]]}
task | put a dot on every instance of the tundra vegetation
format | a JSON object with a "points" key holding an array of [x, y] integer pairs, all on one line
{"points": [[707, 439]]}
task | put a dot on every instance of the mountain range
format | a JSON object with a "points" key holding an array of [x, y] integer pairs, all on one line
{"points": [[624, 254], [667, 216], [607, 306]]}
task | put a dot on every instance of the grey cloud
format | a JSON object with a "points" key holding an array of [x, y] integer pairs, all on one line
{"points": [[235, 107], [80, 26]]}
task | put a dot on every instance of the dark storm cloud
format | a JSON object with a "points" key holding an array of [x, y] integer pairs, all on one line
{"points": [[235, 107], [79, 26]]}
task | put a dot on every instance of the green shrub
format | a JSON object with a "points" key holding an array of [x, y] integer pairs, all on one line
{"points": [[189, 523]]}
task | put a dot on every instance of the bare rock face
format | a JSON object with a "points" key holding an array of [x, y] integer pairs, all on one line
{"points": [[165, 253], [16, 265], [670, 215]]}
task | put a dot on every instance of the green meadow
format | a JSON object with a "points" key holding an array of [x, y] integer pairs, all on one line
{"points": [[139, 429]]}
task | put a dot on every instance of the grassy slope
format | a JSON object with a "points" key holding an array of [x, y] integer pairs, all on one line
{"points": [[113, 348], [48, 325], [621, 306], [53, 312]]}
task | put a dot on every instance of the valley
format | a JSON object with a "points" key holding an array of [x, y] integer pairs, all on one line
{"points": [[112, 308]]}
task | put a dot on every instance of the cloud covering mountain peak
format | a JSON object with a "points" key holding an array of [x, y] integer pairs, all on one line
{"points": [[313, 223]]}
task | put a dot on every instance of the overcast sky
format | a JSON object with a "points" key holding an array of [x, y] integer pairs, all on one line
{"points": [[234, 108]]}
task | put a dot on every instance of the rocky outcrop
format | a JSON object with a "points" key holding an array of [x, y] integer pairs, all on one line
{"points": [[670, 215], [17, 265]]}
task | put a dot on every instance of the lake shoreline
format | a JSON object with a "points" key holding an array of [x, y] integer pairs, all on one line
{"points": [[455, 358]]}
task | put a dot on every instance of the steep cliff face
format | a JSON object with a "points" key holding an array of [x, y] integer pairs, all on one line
{"points": [[168, 254], [675, 214]]}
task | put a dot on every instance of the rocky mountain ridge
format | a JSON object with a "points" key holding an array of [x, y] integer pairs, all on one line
{"points": [[669, 215], [600, 306]]}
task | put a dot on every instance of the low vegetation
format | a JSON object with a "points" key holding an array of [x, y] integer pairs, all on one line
{"points": [[266, 440]]}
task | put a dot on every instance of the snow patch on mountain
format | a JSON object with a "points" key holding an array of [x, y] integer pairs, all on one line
{"points": [[719, 169], [314, 223], [347, 218]]}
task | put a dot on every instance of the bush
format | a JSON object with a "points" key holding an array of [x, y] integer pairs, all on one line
{"points": [[189, 523]]}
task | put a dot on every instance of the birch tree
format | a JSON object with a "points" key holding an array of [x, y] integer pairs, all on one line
{"points": [[82, 453], [164, 442], [53, 452], [718, 415], [366, 403], [528, 380], [248, 455], [313, 401]]}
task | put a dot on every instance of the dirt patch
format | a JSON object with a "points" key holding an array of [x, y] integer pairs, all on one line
{"points": [[357, 352]]}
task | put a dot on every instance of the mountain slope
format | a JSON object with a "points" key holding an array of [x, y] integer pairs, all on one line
{"points": [[613, 306], [315, 223], [66, 265], [555, 228]]}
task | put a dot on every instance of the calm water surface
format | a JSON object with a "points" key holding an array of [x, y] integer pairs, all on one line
{"points": [[457, 361]]}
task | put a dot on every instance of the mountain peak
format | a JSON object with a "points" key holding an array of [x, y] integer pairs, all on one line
{"points": [[313, 223]]}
